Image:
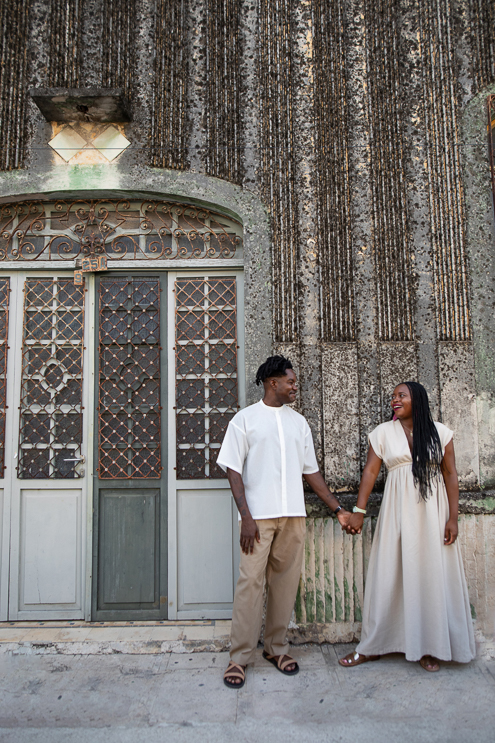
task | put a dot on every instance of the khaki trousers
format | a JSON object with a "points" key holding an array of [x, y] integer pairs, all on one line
{"points": [[279, 556]]}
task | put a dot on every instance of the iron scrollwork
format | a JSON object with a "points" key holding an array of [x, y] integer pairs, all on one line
{"points": [[118, 229]]}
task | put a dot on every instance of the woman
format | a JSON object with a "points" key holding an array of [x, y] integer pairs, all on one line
{"points": [[416, 599]]}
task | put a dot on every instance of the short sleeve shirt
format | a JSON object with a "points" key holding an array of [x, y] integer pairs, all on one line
{"points": [[272, 448]]}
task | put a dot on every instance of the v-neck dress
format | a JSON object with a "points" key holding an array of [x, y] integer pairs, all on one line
{"points": [[416, 600]]}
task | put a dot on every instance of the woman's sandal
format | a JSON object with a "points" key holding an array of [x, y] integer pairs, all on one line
{"points": [[281, 664], [429, 660], [234, 670], [355, 659]]}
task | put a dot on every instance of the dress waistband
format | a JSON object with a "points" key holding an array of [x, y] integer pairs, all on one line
{"points": [[397, 466]]}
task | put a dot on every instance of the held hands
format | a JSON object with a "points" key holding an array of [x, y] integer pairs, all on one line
{"points": [[354, 523], [343, 517]]}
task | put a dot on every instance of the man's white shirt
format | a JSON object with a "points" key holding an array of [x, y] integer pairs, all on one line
{"points": [[272, 448]]}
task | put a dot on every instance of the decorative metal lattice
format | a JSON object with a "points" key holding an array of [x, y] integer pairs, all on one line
{"points": [[150, 230], [206, 372], [4, 334], [129, 389], [491, 140], [50, 434]]}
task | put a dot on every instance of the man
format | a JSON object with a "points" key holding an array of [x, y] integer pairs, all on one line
{"points": [[267, 450]]}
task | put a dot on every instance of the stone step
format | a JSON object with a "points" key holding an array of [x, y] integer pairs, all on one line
{"points": [[98, 638]]}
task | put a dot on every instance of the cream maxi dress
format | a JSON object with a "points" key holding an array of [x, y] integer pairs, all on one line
{"points": [[416, 600]]}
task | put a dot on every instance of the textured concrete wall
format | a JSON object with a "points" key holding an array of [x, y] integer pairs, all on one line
{"points": [[359, 129], [480, 237], [330, 598]]}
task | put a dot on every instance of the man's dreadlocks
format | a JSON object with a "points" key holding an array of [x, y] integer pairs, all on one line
{"points": [[274, 366]]}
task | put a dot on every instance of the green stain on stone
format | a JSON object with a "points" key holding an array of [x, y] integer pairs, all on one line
{"points": [[328, 594], [473, 611], [347, 601], [307, 552], [82, 177], [310, 601], [320, 601], [298, 605], [357, 608], [310, 588], [320, 606], [339, 615]]}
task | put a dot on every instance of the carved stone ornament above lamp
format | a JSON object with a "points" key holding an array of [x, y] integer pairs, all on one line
{"points": [[94, 105]]}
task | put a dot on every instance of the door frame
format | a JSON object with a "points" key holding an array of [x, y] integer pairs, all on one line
{"points": [[10, 509]]}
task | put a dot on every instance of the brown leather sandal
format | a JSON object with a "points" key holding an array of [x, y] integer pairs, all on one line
{"points": [[234, 670], [281, 664], [429, 660], [355, 659]]}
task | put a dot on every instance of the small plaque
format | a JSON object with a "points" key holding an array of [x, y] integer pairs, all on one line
{"points": [[78, 278], [94, 263]]}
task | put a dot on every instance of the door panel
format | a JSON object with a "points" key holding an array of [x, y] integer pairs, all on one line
{"points": [[129, 565], [206, 574], [130, 496], [50, 550]]}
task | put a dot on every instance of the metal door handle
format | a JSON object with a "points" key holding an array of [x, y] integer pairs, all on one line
{"points": [[76, 459]]}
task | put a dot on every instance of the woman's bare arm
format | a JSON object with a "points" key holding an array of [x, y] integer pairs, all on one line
{"points": [[368, 479], [449, 473]]}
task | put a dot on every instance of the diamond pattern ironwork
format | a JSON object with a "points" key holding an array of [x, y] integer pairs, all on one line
{"points": [[206, 372], [50, 432], [129, 411], [4, 334]]}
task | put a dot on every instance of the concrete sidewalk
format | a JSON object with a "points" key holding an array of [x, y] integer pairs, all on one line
{"points": [[180, 697]]}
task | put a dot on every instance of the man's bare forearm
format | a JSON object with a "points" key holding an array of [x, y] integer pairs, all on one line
{"points": [[237, 487], [319, 486], [249, 528]]}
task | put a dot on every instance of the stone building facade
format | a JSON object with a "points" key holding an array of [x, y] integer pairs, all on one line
{"points": [[349, 139]]}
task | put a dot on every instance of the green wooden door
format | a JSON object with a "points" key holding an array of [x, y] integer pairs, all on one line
{"points": [[130, 496]]}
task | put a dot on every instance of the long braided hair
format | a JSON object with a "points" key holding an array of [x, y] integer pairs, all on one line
{"points": [[427, 449]]}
